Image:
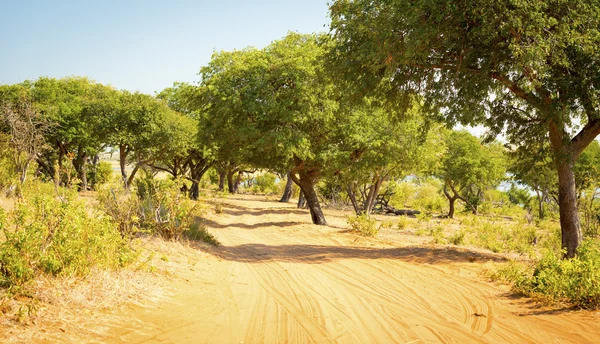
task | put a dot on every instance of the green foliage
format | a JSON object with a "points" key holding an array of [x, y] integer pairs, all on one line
{"points": [[428, 198], [265, 183], [363, 225], [164, 210], [518, 196], [199, 232], [101, 174], [122, 207], [437, 232], [458, 238], [503, 236], [53, 237], [575, 281]]}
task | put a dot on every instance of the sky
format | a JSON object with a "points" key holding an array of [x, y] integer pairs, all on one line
{"points": [[140, 45]]}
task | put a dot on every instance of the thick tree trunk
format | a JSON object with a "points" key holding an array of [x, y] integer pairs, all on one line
{"points": [[567, 193], [567, 202], [316, 214], [372, 196], [451, 202], [194, 190], [230, 182], [287, 192], [306, 181]]}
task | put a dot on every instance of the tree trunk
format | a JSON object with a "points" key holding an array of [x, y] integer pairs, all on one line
{"points": [[567, 194], [316, 214], [238, 181], [123, 164], [222, 177], [194, 190], [567, 202], [540, 204], [372, 196], [306, 180], [230, 182], [301, 200], [83, 174], [352, 197], [287, 193], [451, 201]]}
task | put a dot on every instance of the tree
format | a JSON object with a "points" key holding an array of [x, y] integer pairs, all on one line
{"points": [[27, 131], [280, 106], [528, 68], [379, 144], [468, 168], [188, 154]]}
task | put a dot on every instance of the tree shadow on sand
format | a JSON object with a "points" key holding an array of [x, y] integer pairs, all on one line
{"points": [[318, 254]]}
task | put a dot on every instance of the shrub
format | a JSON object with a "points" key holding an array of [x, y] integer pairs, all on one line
{"points": [[457, 238], [164, 210], [575, 281], [364, 225], [123, 208], [198, 232], [402, 223], [429, 199], [265, 183], [53, 237]]}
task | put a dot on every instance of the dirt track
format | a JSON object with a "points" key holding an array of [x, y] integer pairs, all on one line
{"points": [[278, 279]]}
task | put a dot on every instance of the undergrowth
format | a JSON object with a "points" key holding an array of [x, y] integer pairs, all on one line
{"points": [[363, 225], [48, 236], [552, 279]]}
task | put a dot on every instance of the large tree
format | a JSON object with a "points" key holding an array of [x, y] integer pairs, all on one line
{"points": [[528, 68], [276, 109]]}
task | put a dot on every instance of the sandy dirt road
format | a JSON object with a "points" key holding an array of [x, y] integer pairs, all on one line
{"points": [[279, 279]]}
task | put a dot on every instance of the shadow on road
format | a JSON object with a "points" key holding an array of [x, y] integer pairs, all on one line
{"points": [[317, 254]]}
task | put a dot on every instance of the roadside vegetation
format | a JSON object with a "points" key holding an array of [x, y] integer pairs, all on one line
{"points": [[291, 119]]}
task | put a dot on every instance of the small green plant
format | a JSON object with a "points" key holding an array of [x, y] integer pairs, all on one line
{"points": [[437, 232], [164, 210], [199, 232], [364, 225], [458, 238], [402, 223], [218, 207]]}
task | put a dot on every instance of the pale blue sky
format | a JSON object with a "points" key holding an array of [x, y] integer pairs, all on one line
{"points": [[142, 45]]}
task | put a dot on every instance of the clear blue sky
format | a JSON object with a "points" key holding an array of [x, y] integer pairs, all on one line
{"points": [[136, 44]]}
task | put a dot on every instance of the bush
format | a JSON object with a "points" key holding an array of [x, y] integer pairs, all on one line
{"points": [[102, 174], [265, 183], [364, 225], [575, 281], [164, 210], [199, 233], [123, 208], [53, 237], [429, 199]]}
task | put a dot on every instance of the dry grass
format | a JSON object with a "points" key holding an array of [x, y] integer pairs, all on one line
{"points": [[62, 309]]}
